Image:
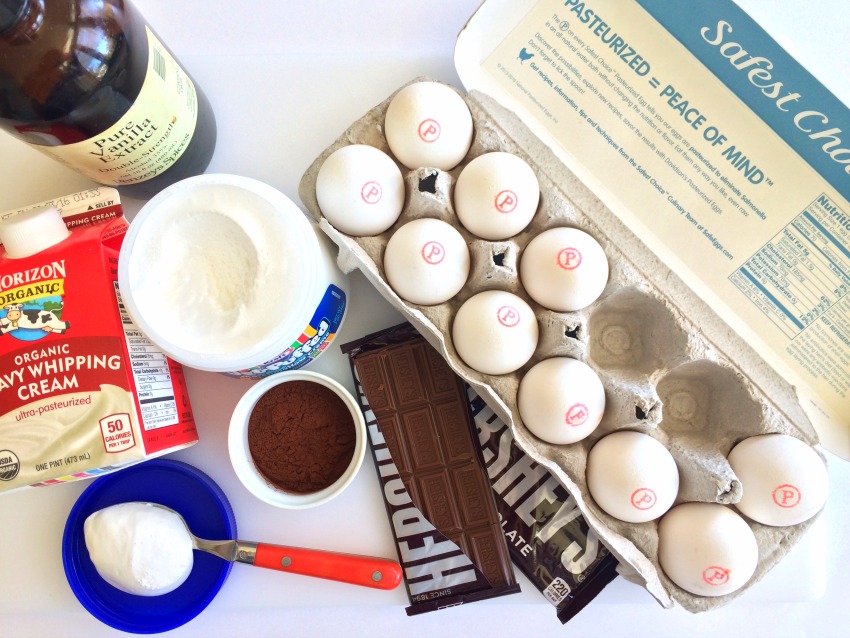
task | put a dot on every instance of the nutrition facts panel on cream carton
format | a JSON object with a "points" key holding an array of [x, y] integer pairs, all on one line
{"points": [[713, 146], [151, 374]]}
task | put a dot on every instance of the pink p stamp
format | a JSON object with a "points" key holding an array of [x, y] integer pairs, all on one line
{"points": [[569, 258], [429, 130], [371, 192], [433, 252], [715, 575], [508, 316], [644, 498], [787, 496], [577, 414], [506, 201]]}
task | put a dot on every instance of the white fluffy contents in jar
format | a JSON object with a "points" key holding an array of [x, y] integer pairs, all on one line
{"points": [[360, 190], [139, 548], [428, 124], [564, 269], [495, 332], [208, 270], [426, 261], [784, 480], [632, 476], [496, 195], [561, 400], [706, 549]]}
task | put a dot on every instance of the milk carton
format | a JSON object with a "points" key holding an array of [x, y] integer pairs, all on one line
{"points": [[82, 391]]}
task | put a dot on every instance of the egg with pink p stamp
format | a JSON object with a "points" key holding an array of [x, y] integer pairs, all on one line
{"points": [[784, 481], [426, 261], [632, 477], [496, 195], [360, 190], [561, 400], [564, 269], [495, 332]]}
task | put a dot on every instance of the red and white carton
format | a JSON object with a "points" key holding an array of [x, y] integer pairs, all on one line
{"points": [[82, 391]]}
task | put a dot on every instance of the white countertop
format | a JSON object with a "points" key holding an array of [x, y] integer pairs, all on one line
{"points": [[285, 80]]}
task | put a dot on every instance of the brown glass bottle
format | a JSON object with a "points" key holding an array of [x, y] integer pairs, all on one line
{"points": [[71, 81]]}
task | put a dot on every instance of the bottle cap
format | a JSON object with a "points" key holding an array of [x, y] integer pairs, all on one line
{"points": [[10, 11], [32, 231]]}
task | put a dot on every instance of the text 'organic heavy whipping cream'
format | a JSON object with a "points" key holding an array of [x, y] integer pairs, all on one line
{"points": [[82, 390], [225, 274]]}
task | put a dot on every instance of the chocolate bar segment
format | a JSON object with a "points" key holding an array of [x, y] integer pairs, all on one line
{"points": [[548, 538], [443, 513]]}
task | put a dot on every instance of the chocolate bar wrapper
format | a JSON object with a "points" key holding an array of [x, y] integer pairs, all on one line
{"points": [[548, 539], [441, 509]]}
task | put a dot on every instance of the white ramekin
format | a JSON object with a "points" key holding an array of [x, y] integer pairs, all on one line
{"points": [[240, 455]]}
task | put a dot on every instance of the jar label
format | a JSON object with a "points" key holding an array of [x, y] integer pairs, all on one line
{"points": [[151, 135], [315, 338]]}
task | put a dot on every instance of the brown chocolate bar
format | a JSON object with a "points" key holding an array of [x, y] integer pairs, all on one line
{"points": [[548, 539], [438, 496]]}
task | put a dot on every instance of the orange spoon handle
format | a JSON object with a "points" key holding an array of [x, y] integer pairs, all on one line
{"points": [[367, 571]]}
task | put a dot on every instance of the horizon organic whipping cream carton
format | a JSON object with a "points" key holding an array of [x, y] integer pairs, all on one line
{"points": [[82, 390]]}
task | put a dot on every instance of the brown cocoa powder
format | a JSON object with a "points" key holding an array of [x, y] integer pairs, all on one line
{"points": [[301, 436]]}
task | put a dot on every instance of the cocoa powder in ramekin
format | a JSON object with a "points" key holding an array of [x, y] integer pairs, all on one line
{"points": [[301, 436]]}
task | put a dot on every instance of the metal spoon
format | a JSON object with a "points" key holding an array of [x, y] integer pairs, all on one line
{"points": [[368, 571]]}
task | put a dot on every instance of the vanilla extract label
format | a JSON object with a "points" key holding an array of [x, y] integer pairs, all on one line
{"points": [[124, 141], [150, 137]]}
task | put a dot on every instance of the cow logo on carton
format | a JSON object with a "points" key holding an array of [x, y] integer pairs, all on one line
{"points": [[34, 319], [31, 302]]}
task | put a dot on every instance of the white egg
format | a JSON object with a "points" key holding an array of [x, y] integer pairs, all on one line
{"points": [[632, 476], [426, 261], [360, 190], [495, 332], [561, 400], [706, 549], [563, 269], [428, 124], [496, 195], [785, 482]]}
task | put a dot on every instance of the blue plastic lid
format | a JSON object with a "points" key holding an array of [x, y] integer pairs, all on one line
{"points": [[171, 483]]}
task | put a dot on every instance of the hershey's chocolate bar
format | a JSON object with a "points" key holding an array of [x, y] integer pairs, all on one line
{"points": [[547, 536], [443, 515]]}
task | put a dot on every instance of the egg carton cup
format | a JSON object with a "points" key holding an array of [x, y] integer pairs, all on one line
{"points": [[670, 366]]}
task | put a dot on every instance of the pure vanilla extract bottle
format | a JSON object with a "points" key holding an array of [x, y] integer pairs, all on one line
{"points": [[90, 84]]}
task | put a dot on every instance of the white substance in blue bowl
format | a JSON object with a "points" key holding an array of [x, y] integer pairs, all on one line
{"points": [[139, 548]]}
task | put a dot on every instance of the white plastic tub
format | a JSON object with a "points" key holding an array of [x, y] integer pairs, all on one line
{"points": [[226, 274]]}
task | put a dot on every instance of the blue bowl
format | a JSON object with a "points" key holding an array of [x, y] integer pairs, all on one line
{"points": [[176, 485]]}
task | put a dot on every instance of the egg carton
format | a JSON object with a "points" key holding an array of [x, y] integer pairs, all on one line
{"points": [[670, 366]]}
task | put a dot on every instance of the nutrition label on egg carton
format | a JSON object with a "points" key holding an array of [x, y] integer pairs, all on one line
{"points": [[800, 280], [803, 273], [151, 374]]}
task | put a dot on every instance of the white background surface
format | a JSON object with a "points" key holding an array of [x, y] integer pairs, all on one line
{"points": [[286, 79]]}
